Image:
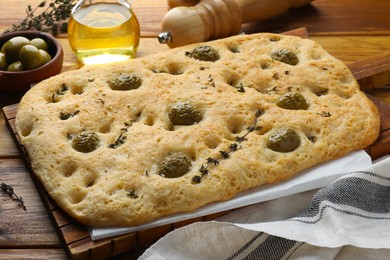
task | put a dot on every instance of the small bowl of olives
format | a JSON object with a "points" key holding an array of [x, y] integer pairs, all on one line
{"points": [[28, 57]]}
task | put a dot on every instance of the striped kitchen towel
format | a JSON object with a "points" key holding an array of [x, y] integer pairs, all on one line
{"points": [[348, 219]]}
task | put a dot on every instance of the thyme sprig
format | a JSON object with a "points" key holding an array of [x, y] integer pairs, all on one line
{"points": [[53, 17], [66, 116], [59, 92], [325, 114], [122, 136], [10, 191], [211, 80], [119, 141], [204, 168], [132, 194], [240, 88]]}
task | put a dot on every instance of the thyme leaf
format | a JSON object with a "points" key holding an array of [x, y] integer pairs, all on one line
{"points": [[211, 80], [240, 88], [325, 114], [259, 113], [65, 116], [233, 147], [196, 179], [132, 194], [212, 161], [203, 170], [240, 139], [224, 154]]}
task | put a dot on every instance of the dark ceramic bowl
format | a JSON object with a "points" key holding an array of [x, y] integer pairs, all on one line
{"points": [[20, 81]]}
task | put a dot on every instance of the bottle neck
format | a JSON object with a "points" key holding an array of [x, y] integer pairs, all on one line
{"points": [[80, 3]]}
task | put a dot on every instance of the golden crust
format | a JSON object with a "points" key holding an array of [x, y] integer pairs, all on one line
{"points": [[118, 185]]}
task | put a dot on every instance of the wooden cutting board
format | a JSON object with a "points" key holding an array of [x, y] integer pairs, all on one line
{"points": [[370, 73]]}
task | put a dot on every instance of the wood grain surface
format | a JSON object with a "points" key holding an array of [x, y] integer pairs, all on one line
{"points": [[349, 30]]}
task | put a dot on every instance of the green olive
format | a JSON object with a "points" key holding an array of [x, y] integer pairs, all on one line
{"points": [[39, 43], [125, 82], [284, 140], [15, 66], [3, 62], [204, 53], [2, 48], [30, 56], [285, 56], [184, 114], [13, 46], [86, 141], [174, 165], [45, 57], [294, 101]]}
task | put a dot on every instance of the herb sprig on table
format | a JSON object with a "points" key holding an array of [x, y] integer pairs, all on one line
{"points": [[47, 16], [10, 191]]}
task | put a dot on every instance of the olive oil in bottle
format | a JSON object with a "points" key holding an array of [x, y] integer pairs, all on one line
{"points": [[103, 31]]}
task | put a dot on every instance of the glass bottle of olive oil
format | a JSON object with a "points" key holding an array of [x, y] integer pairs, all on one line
{"points": [[102, 31]]}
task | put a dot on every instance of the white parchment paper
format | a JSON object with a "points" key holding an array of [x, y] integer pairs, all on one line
{"points": [[310, 179]]}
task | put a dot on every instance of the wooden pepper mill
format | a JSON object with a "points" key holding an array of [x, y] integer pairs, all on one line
{"points": [[213, 19]]}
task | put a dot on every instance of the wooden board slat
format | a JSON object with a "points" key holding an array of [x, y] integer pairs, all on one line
{"points": [[373, 71], [61, 218], [57, 254]]}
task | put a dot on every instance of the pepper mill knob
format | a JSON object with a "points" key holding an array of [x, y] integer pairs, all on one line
{"points": [[164, 37], [213, 19]]}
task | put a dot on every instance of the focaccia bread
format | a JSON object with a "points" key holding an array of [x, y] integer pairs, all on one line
{"points": [[125, 143]]}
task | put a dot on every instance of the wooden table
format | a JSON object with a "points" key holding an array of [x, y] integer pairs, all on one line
{"points": [[350, 30]]}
